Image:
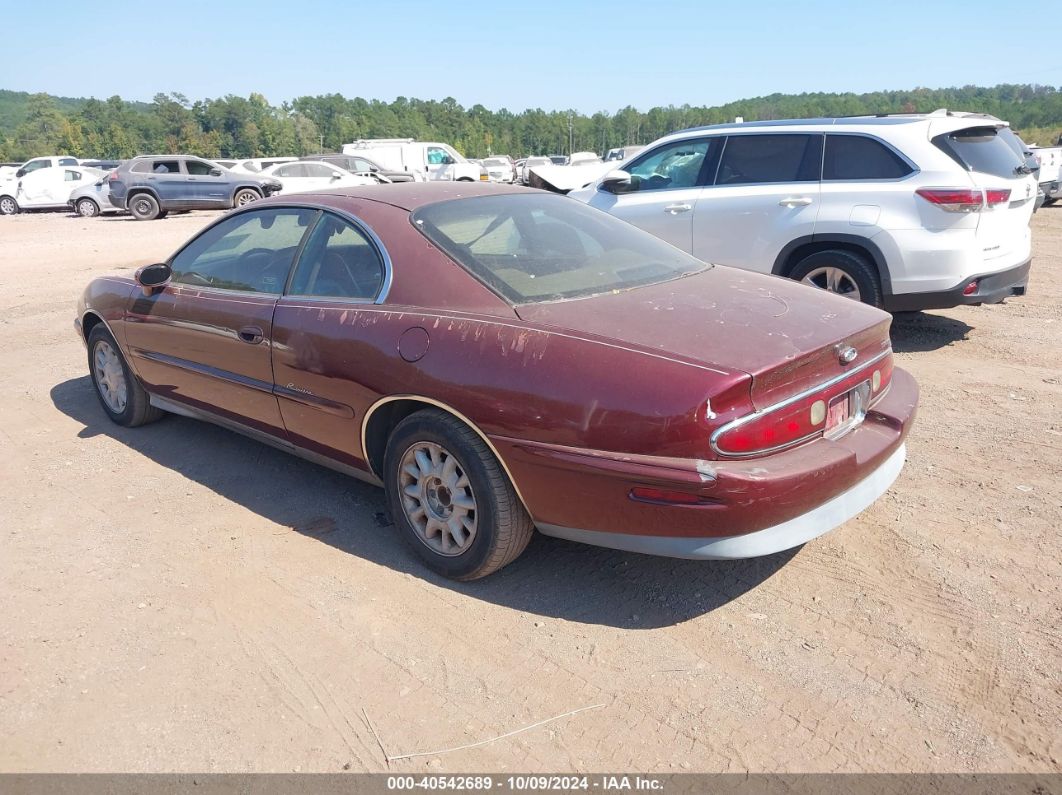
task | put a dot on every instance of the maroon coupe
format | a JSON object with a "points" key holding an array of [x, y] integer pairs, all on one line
{"points": [[502, 359]]}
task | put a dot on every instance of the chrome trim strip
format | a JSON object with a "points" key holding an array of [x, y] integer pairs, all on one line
{"points": [[713, 440], [202, 369], [314, 401], [450, 409]]}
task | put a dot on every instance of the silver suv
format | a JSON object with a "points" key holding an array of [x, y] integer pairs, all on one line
{"points": [[905, 212], [150, 186]]}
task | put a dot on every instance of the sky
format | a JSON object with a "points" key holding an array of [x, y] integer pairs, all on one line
{"points": [[583, 56]]}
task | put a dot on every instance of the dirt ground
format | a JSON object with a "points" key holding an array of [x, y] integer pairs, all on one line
{"points": [[179, 598]]}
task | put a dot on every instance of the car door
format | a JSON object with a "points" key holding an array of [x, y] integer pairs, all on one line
{"points": [[36, 188], [765, 194], [440, 163], [207, 184], [342, 268], [205, 340], [665, 187]]}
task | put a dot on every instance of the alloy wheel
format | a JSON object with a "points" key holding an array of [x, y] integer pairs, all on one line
{"points": [[437, 498], [110, 377], [833, 280]]}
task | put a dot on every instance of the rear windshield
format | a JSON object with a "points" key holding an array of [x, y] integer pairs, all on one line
{"points": [[495, 161], [531, 248], [988, 150]]}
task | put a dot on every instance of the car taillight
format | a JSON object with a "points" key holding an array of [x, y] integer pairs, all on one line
{"points": [[800, 418], [113, 176], [954, 200], [996, 196]]}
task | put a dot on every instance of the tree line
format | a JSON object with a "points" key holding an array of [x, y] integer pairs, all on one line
{"points": [[32, 125]]}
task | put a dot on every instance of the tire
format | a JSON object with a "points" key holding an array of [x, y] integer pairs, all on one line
{"points": [[245, 196], [162, 214], [144, 207], [8, 206], [1048, 202], [851, 275], [465, 179], [87, 208], [500, 527], [120, 394]]}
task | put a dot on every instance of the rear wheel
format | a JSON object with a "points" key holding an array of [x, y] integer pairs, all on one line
{"points": [[8, 206], [451, 499], [842, 272], [87, 208], [120, 394], [245, 196], [1049, 202], [144, 207]]}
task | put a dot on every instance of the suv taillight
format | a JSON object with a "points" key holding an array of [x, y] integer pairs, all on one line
{"points": [[954, 200], [113, 176], [997, 196]]}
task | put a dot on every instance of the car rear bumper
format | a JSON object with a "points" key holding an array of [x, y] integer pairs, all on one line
{"points": [[776, 538], [747, 507], [991, 289]]}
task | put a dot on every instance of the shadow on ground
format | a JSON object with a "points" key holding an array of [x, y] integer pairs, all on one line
{"points": [[914, 332], [553, 577]]}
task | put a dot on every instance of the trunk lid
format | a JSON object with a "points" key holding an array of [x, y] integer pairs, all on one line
{"points": [[785, 335]]}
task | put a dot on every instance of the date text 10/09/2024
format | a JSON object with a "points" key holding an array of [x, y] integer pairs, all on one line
{"points": [[526, 783]]}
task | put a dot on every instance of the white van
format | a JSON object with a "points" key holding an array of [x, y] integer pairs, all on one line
{"points": [[424, 160]]}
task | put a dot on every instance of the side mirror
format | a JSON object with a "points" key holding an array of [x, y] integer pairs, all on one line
{"points": [[374, 168], [153, 277], [617, 181], [215, 172], [20, 173], [336, 175]]}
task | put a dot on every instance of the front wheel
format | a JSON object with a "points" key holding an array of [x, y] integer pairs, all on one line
{"points": [[451, 499], [144, 207], [120, 394], [244, 197], [842, 272], [8, 206], [87, 208]]}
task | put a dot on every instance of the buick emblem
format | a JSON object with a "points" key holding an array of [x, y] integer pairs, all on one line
{"points": [[846, 354]]}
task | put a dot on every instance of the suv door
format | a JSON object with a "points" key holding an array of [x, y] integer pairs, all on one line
{"points": [[205, 339], [207, 184], [170, 184], [764, 195], [666, 184]]}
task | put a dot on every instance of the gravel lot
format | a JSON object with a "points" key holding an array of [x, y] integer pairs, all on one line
{"points": [[178, 598]]}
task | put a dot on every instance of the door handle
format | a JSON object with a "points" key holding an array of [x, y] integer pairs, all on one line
{"points": [[675, 209], [252, 335], [795, 201]]}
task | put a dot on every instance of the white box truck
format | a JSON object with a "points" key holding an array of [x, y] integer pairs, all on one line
{"points": [[424, 160]]}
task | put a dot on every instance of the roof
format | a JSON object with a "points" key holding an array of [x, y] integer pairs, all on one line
{"points": [[411, 195], [883, 120]]}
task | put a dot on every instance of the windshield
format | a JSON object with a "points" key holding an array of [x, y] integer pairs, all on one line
{"points": [[531, 247], [495, 161]]}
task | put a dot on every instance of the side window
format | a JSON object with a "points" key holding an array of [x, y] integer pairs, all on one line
{"points": [[71, 176], [67, 161], [293, 170], [166, 167], [438, 157], [318, 170], [338, 261], [361, 165], [859, 157], [36, 164], [142, 167], [249, 251], [752, 159], [198, 168], [675, 165]]}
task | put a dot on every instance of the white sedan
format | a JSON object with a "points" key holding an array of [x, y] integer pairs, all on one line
{"points": [[45, 188], [304, 176]]}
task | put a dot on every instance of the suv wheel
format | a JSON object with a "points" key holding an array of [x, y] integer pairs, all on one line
{"points": [[144, 207], [245, 196], [841, 272]]}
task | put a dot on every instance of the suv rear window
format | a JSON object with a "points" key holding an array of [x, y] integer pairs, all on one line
{"points": [[988, 150], [751, 159], [859, 157]]}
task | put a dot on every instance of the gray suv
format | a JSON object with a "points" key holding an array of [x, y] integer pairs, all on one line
{"points": [[150, 186]]}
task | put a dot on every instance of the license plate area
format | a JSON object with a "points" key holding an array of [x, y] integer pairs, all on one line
{"points": [[847, 411]]}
